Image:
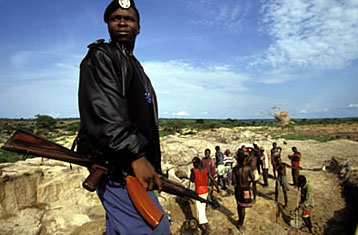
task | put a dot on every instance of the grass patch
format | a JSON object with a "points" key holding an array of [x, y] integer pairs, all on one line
{"points": [[6, 156], [295, 136]]}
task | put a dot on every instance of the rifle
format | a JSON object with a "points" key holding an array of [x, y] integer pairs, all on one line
{"points": [[25, 142], [289, 166]]}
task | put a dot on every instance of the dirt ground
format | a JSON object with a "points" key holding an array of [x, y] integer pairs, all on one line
{"points": [[334, 131], [332, 213], [335, 209]]}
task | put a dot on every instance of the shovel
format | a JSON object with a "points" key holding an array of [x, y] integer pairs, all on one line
{"points": [[295, 223]]}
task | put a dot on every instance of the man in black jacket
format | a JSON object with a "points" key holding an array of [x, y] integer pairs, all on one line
{"points": [[119, 120]]}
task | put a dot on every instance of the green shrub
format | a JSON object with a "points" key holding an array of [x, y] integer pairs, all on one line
{"points": [[45, 122], [6, 156], [72, 127]]}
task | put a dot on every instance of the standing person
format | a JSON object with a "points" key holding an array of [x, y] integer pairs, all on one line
{"points": [[265, 166], [275, 154], [306, 202], [208, 163], [201, 177], [220, 167], [119, 120], [295, 165], [240, 178], [282, 181], [245, 150], [257, 154], [228, 162], [252, 162]]}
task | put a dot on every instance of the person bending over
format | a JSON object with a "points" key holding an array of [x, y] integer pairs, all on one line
{"points": [[306, 201]]}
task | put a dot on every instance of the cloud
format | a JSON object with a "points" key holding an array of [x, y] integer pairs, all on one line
{"points": [[181, 113], [353, 106], [184, 77], [227, 14], [196, 88], [39, 82], [315, 34], [281, 75]]}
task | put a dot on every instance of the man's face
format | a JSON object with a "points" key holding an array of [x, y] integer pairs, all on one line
{"points": [[123, 25], [207, 153]]}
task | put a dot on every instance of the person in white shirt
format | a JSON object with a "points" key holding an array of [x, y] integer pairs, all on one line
{"points": [[265, 167]]}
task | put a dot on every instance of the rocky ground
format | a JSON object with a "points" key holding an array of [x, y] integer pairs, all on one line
{"points": [[46, 197]]}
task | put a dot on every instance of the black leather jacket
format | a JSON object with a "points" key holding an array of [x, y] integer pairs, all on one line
{"points": [[118, 124]]}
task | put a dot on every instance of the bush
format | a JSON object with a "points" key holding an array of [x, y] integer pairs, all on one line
{"points": [[45, 122], [72, 127], [6, 156]]}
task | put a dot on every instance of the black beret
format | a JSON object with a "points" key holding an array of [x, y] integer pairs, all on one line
{"points": [[114, 5]]}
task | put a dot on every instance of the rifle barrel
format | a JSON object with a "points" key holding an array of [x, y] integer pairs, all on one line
{"points": [[179, 190], [25, 142]]}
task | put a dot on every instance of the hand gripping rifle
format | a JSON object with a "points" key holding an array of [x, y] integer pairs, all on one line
{"points": [[25, 142]]}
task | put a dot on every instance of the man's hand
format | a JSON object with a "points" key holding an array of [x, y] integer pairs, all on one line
{"points": [[145, 173]]}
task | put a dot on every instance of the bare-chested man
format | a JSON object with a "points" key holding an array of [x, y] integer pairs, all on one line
{"points": [[252, 162], [282, 180], [240, 178], [275, 154], [257, 154]]}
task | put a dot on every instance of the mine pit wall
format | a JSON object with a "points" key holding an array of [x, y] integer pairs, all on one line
{"points": [[17, 193], [349, 179], [350, 193], [45, 197]]}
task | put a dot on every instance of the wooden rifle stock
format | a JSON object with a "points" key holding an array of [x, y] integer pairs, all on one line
{"points": [[25, 142], [142, 201], [96, 174]]}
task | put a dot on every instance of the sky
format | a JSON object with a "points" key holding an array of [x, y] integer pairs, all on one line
{"points": [[238, 59]]}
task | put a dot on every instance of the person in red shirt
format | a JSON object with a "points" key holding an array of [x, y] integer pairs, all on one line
{"points": [[201, 177], [295, 165]]}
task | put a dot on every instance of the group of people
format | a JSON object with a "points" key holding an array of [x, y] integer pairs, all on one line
{"points": [[245, 174]]}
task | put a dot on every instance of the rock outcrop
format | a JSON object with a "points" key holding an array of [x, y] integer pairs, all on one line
{"points": [[45, 197]]}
